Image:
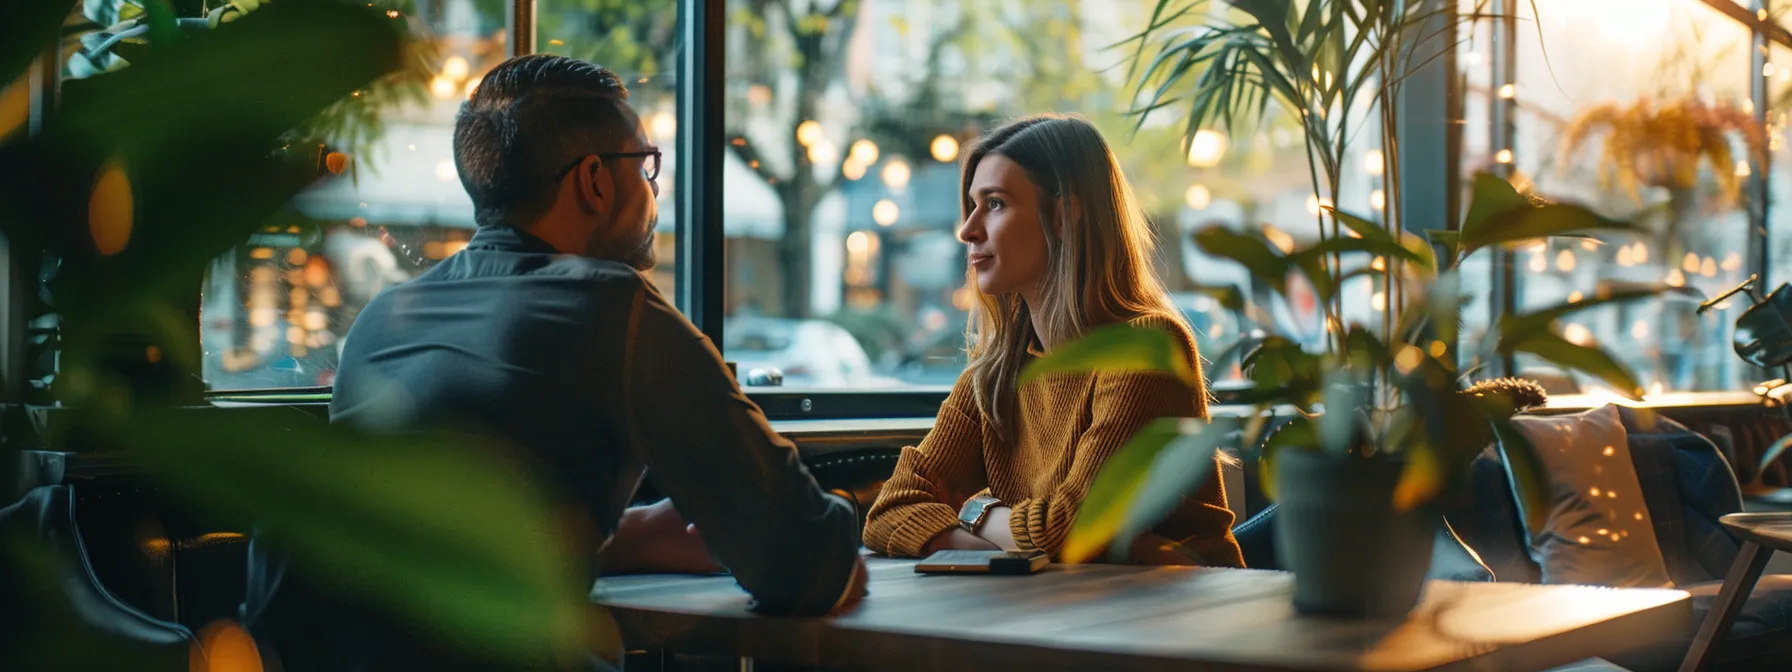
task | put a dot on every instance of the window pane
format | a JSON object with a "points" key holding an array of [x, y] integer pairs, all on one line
{"points": [[1640, 110], [841, 207], [277, 308]]}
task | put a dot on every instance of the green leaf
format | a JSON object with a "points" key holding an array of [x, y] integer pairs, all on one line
{"points": [[31, 27], [161, 18], [1310, 259], [1110, 497], [1492, 196], [1421, 479], [1499, 214], [1525, 325], [1181, 468], [1281, 363], [1253, 253], [442, 529], [1115, 347], [1416, 250], [1528, 475], [234, 82], [1298, 433], [1449, 240], [1229, 296], [1591, 360]]}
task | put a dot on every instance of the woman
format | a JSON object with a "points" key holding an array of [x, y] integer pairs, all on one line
{"points": [[1057, 246]]}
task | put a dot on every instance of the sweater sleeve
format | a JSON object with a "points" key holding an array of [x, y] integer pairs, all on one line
{"points": [[922, 497], [1123, 403]]}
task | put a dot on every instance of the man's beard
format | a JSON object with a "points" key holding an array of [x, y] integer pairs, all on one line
{"points": [[645, 256]]}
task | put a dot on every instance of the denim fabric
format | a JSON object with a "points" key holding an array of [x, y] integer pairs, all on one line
{"points": [[1687, 485]]}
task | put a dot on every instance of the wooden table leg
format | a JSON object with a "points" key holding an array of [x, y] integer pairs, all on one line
{"points": [[1750, 561]]}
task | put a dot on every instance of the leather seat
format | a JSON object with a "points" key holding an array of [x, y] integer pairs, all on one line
{"points": [[48, 584]]}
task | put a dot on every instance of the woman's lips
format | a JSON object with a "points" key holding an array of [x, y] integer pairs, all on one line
{"points": [[982, 261]]}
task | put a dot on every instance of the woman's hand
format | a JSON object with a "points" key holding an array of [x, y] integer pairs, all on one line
{"points": [[957, 539], [995, 528]]}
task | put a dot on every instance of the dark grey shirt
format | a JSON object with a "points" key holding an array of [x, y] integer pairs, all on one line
{"points": [[588, 369]]}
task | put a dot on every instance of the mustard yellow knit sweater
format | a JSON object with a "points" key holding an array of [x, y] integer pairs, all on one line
{"points": [[1069, 425]]}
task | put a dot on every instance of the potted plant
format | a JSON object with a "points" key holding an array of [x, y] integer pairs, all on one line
{"points": [[1383, 422]]}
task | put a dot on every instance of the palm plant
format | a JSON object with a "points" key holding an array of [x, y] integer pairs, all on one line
{"points": [[1393, 393], [1332, 65]]}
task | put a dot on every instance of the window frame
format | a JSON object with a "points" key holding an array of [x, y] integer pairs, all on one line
{"points": [[700, 273]]}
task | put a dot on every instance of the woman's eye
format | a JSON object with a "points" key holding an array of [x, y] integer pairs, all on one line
{"points": [[995, 204]]}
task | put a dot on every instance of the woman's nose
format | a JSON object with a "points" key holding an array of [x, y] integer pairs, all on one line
{"points": [[971, 231]]}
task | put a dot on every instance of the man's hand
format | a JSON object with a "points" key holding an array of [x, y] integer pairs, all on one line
{"points": [[656, 539], [957, 539], [856, 587]]}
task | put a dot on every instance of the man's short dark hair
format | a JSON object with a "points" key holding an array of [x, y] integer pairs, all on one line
{"points": [[530, 117]]}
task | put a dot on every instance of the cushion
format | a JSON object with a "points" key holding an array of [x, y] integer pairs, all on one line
{"points": [[1688, 485], [1598, 530]]}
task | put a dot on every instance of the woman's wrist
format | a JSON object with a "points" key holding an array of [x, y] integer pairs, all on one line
{"points": [[957, 539]]}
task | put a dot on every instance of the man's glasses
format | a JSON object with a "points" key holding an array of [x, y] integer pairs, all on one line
{"points": [[650, 163]]}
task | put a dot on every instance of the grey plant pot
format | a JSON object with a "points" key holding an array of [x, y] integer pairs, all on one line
{"points": [[1351, 553]]}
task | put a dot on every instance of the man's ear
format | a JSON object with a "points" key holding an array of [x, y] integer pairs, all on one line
{"points": [[586, 180]]}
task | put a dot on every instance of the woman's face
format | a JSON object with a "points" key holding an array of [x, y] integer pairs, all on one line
{"points": [[1004, 232]]}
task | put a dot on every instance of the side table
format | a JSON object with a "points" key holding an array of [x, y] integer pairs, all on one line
{"points": [[1761, 535]]}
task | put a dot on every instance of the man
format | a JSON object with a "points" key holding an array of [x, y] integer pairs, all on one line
{"points": [[544, 332]]}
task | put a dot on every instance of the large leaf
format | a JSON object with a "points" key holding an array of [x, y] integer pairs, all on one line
{"points": [[236, 81], [440, 529], [1589, 359], [1181, 468], [1527, 473], [1253, 253], [1415, 250], [1311, 260], [1764, 331], [1525, 325], [1499, 214], [1281, 363], [1115, 347], [31, 26], [1105, 509], [1421, 480], [1492, 196]]}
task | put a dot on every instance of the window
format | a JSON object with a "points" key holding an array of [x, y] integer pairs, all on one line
{"points": [[1604, 72], [845, 120], [638, 39], [276, 309]]}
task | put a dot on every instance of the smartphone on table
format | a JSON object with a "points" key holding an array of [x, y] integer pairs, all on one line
{"points": [[983, 562]]}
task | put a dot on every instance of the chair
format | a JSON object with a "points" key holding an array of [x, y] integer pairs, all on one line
{"points": [[72, 618], [1687, 486]]}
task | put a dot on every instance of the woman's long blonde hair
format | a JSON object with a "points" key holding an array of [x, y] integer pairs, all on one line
{"points": [[1098, 255]]}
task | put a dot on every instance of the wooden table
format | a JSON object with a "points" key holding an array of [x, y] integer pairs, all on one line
{"points": [[1141, 618], [1761, 534]]}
